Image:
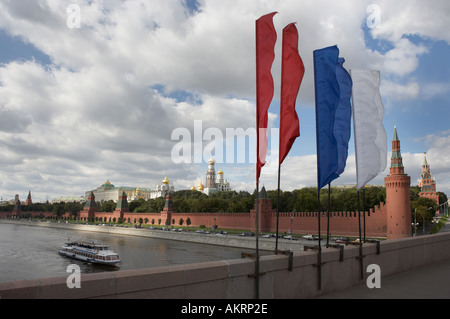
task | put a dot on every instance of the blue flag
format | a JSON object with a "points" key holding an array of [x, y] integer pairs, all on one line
{"points": [[333, 89]]}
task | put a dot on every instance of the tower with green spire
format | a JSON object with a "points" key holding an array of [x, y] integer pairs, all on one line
{"points": [[90, 208], [121, 207], [426, 183], [396, 158]]}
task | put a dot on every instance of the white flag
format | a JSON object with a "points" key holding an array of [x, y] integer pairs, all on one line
{"points": [[370, 135]]}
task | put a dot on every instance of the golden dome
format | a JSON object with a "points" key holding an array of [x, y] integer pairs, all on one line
{"points": [[211, 161], [220, 172], [201, 187], [166, 181], [193, 188], [138, 189]]}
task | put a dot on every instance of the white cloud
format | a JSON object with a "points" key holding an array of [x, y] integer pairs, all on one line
{"points": [[417, 17], [431, 90], [404, 58], [397, 91]]}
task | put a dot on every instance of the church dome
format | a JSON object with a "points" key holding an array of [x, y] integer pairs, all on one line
{"points": [[108, 185], [201, 187], [211, 161], [193, 188], [166, 181], [220, 172]]}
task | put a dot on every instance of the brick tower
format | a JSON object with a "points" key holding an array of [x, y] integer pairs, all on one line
{"points": [[265, 211], [28, 202], [398, 203], [426, 183], [90, 208], [121, 207], [166, 214]]}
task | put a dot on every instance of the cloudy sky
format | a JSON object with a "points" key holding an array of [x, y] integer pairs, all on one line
{"points": [[101, 89]]}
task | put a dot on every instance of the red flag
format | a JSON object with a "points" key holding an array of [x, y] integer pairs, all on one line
{"points": [[266, 37], [292, 71]]}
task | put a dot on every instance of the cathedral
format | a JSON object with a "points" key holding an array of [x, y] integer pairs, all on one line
{"points": [[213, 184]]}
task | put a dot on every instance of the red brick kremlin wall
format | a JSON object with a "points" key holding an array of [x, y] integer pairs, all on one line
{"points": [[341, 223]]}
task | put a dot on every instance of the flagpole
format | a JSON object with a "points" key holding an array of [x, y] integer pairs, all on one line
{"points": [[319, 263], [257, 241], [319, 256], [364, 211], [360, 242], [328, 215], [278, 207], [257, 164]]}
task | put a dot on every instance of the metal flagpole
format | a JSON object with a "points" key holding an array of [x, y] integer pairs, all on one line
{"points": [[328, 215], [360, 242], [319, 264], [257, 242], [364, 211], [278, 207]]}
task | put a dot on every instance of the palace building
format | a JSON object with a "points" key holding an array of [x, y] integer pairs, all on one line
{"points": [[108, 192]]}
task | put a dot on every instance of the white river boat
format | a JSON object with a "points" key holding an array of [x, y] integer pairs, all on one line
{"points": [[90, 252]]}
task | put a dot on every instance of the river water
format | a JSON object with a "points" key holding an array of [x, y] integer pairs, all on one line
{"points": [[29, 252]]}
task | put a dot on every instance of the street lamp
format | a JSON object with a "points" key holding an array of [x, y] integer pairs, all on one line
{"points": [[423, 220], [292, 219], [415, 221]]}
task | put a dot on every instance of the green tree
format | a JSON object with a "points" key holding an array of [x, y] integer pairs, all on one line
{"points": [[58, 209], [306, 201], [423, 209], [73, 208], [108, 206], [135, 204]]}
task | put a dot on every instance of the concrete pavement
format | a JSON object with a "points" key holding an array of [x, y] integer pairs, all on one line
{"points": [[427, 282]]}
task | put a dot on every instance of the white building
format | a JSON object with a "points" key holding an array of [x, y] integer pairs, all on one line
{"points": [[108, 192], [214, 184], [80, 200]]}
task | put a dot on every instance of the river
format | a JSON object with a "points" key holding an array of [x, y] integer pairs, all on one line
{"points": [[29, 253]]}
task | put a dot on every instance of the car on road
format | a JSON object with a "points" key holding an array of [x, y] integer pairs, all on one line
{"points": [[246, 234]]}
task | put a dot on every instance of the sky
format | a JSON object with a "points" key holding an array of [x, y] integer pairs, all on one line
{"points": [[101, 90]]}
